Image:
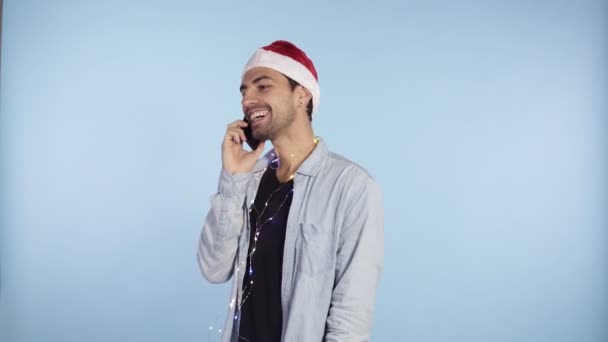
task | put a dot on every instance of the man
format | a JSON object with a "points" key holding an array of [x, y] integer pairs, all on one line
{"points": [[300, 230]]}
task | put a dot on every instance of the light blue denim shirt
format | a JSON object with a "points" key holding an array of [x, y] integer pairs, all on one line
{"points": [[333, 252]]}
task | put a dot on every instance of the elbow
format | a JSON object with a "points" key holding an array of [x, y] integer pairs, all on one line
{"points": [[213, 273]]}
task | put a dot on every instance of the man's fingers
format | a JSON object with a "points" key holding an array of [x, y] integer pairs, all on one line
{"points": [[235, 134], [238, 131], [237, 124]]}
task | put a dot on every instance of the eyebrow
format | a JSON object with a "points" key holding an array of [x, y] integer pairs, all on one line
{"points": [[255, 80]]}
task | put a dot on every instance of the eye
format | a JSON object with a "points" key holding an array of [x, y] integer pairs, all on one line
{"points": [[262, 87]]}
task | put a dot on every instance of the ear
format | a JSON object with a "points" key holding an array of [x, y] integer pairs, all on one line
{"points": [[303, 95]]}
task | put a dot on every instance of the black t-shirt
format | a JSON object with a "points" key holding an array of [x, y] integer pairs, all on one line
{"points": [[261, 312]]}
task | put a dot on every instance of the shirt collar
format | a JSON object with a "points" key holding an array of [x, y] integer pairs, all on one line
{"points": [[309, 167]]}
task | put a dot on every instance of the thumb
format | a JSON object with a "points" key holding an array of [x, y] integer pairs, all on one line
{"points": [[258, 151]]}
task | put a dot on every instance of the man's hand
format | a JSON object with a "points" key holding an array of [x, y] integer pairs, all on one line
{"points": [[234, 158]]}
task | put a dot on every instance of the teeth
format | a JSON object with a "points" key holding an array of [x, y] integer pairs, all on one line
{"points": [[259, 114]]}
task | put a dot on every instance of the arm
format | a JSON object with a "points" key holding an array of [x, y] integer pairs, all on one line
{"points": [[358, 268], [219, 239], [218, 242]]}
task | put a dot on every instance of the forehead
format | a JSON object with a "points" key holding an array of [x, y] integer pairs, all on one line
{"points": [[254, 73]]}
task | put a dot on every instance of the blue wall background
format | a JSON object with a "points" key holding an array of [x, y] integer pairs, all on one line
{"points": [[484, 122]]}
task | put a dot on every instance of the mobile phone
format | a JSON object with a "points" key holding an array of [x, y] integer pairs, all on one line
{"points": [[252, 142]]}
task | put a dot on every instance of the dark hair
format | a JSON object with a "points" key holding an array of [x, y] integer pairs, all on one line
{"points": [[293, 85]]}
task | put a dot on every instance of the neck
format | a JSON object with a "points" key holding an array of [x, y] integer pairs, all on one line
{"points": [[292, 150]]}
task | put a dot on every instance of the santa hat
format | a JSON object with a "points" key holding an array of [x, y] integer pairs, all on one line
{"points": [[292, 62]]}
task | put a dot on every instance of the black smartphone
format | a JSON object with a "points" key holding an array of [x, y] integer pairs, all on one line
{"points": [[250, 140]]}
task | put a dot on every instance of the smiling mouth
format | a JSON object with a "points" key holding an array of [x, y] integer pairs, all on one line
{"points": [[258, 115]]}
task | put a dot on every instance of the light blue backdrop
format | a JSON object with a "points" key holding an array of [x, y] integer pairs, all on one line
{"points": [[484, 122]]}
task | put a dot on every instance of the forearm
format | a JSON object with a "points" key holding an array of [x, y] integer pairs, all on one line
{"points": [[218, 242]]}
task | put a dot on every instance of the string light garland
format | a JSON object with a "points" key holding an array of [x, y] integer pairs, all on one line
{"points": [[246, 291]]}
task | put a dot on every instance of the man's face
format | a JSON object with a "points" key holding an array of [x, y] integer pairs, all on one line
{"points": [[268, 102]]}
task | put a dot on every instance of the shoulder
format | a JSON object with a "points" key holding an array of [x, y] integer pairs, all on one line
{"points": [[354, 178], [338, 163], [356, 190]]}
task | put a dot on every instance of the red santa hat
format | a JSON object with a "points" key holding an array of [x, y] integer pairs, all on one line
{"points": [[292, 62]]}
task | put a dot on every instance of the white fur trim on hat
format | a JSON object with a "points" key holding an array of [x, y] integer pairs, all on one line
{"points": [[290, 68]]}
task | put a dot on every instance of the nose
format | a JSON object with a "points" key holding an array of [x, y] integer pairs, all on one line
{"points": [[249, 99]]}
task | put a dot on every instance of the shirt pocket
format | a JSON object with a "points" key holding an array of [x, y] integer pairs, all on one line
{"points": [[316, 249]]}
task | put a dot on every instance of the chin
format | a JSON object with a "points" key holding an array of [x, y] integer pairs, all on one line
{"points": [[261, 136]]}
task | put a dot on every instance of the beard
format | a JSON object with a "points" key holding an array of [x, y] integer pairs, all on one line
{"points": [[263, 132], [274, 126]]}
